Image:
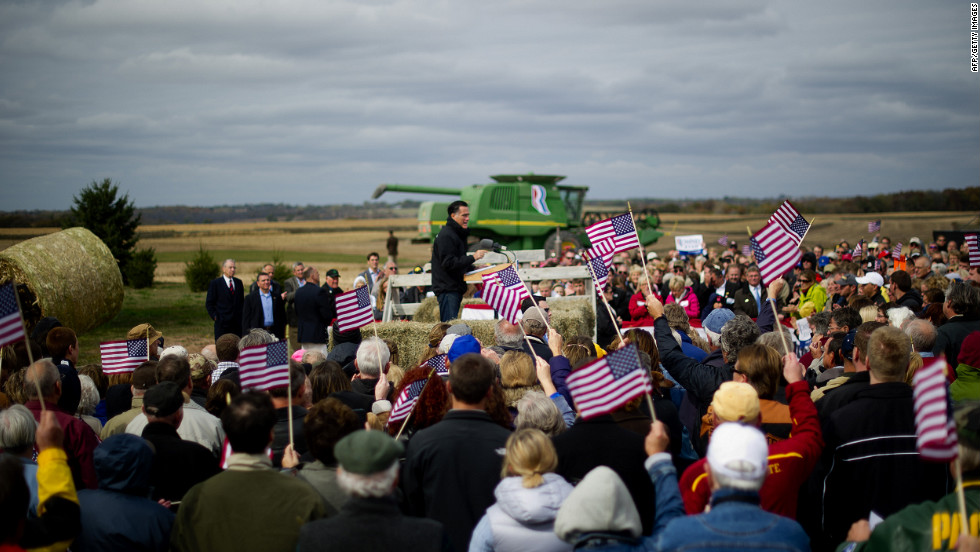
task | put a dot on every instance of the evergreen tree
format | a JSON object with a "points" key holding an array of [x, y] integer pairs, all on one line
{"points": [[113, 219]]}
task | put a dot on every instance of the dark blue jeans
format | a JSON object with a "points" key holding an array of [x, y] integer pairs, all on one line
{"points": [[449, 305]]}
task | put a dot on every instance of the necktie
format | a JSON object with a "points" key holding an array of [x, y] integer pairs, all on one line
{"points": [[758, 300], [231, 286]]}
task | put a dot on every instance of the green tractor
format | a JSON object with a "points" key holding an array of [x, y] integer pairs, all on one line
{"points": [[522, 211]]}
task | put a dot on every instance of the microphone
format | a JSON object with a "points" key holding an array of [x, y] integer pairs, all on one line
{"points": [[490, 245]]}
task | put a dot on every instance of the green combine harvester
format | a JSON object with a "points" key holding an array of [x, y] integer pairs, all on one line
{"points": [[522, 211]]}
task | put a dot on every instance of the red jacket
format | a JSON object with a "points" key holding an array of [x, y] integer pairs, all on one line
{"points": [[80, 441], [790, 461]]}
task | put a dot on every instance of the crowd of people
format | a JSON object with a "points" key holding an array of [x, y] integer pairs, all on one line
{"points": [[782, 417]]}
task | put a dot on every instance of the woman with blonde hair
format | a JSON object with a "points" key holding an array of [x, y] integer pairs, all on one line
{"points": [[528, 498]]}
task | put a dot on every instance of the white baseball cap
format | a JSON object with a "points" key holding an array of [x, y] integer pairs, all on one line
{"points": [[871, 278], [738, 452]]}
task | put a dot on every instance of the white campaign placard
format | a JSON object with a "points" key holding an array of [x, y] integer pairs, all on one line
{"points": [[690, 245]]}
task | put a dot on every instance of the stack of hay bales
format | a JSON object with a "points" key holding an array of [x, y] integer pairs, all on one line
{"points": [[70, 275], [569, 316]]}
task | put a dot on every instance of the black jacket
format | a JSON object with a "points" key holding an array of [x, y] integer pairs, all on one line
{"points": [[223, 307], [178, 465], [280, 433], [371, 524], [601, 442], [870, 462], [950, 336], [315, 310], [912, 299], [451, 470], [254, 317], [449, 259]]}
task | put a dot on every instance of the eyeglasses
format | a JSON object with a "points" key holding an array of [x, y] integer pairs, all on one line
{"points": [[802, 281]]}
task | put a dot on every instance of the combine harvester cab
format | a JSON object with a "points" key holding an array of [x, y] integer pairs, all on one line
{"points": [[528, 211]]}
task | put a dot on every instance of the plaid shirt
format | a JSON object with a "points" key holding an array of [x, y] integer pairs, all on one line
{"points": [[222, 366]]}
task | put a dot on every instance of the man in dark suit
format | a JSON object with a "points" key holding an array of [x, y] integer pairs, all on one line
{"points": [[315, 310], [750, 298], [265, 309], [269, 269], [225, 300]]}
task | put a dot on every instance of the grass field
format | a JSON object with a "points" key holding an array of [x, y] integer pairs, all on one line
{"points": [[343, 244]]}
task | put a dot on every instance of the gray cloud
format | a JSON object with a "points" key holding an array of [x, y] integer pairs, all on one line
{"points": [[314, 102]]}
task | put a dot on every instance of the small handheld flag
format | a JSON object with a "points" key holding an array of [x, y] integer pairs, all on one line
{"points": [[619, 229], [935, 428], [874, 226], [11, 324], [119, 357], [264, 367], [504, 291], [973, 245], [789, 218], [776, 251], [608, 383], [406, 401], [354, 309]]}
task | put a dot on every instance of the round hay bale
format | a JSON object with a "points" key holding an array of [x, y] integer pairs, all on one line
{"points": [[572, 316], [70, 275]]}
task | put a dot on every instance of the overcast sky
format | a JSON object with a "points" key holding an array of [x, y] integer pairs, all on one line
{"points": [[207, 102]]}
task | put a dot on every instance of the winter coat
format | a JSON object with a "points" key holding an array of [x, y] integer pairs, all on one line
{"points": [[522, 518]]}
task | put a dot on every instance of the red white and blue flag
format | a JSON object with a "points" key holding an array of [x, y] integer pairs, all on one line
{"points": [[119, 357], [897, 251], [746, 250], [620, 230], [539, 199], [11, 325], [608, 383], [354, 309], [935, 427], [504, 291], [789, 218], [600, 273], [856, 254], [973, 245], [406, 401], [438, 363], [776, 250], [874, 226], [723, 240], [264, 367]]}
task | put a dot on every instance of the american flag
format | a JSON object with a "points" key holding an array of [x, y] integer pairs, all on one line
{"points": [[856, 254], [897, 251], [973, 244], [600, 273], [935, 428], [619, 229], [406, 401], [723, 240], [608, 383], [776, 251], [11, 325], [746, 250], [789, 218], [119, 357], [263, 367], [874, 226], [504, 291], [438, 362], [354, 309], [605, 250]]}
